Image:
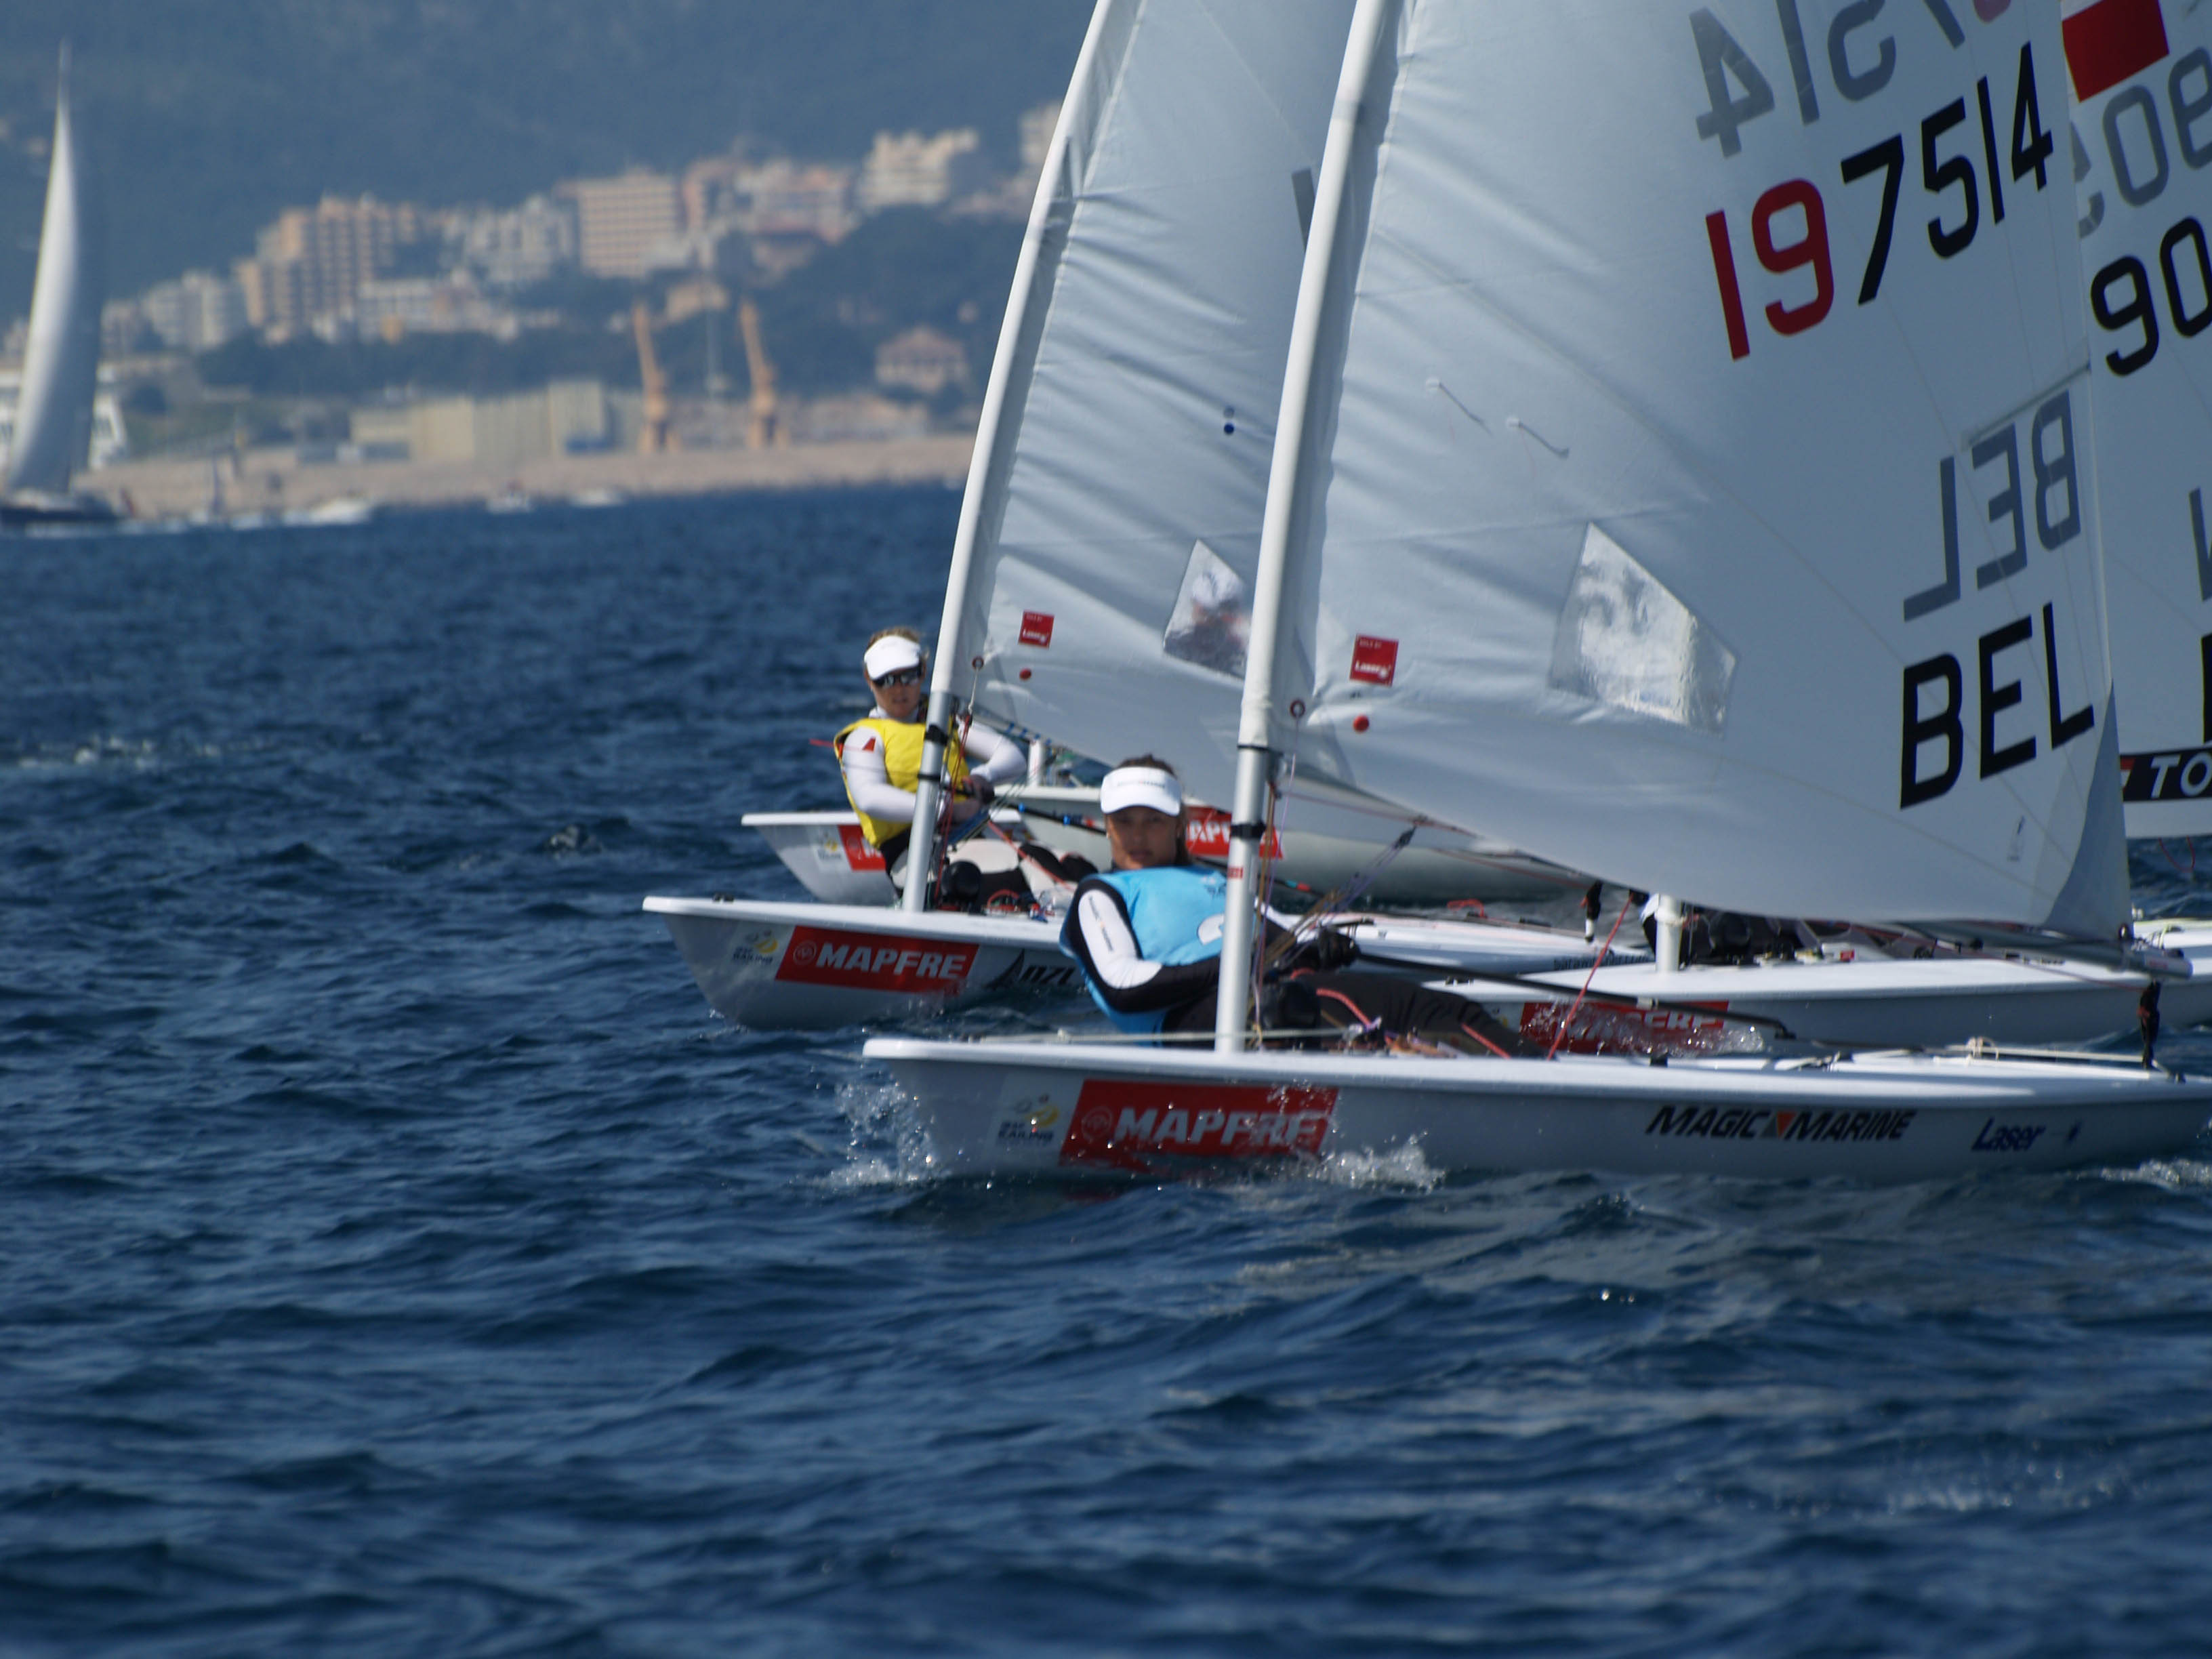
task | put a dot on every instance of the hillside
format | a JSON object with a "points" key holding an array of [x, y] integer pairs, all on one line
{"points": [[201, 130]]}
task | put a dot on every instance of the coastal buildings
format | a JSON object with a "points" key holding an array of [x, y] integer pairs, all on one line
{"points": [[905, 169], [517, 246], [565, 417], [311, 263], [626, 226], [878, 351], [921, 360], [197, 312]]}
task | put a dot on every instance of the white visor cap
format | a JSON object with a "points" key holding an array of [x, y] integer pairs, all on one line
{"points": [[890, 654], [1139, 786]]}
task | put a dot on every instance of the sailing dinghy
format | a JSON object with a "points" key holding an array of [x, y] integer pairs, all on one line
{"points": [[1623, 497], [1125, 440], [52, 433]]}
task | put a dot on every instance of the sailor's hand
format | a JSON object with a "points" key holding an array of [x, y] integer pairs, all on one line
{"points": [[980, 788], [1326, 952]]}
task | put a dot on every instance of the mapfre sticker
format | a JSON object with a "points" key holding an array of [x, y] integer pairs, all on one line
{"points": [[1374, 660], [874, 962], [858, 853], [1121, 1124], [1036, 628], [1206, 832], [1605, 1029]]}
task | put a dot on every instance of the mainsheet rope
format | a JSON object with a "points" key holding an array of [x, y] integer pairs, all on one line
{"points": [[1603, 951]]}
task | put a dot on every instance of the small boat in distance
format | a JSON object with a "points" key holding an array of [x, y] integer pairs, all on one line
{"points": [[337, 510], [61, 361]]}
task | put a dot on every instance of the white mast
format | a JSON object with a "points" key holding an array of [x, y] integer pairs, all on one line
{"points": [[1255, 731]]}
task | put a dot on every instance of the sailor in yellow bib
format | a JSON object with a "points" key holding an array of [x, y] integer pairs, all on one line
{"points": [[880, 753]]}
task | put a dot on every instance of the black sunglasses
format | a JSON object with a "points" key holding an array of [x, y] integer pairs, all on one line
{"points": [[899, 677]]}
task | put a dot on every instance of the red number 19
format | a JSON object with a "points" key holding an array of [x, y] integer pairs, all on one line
{"points": [[1808, 248]]}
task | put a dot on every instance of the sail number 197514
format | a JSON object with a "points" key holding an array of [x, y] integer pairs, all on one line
{"points": [[1967, 153]]}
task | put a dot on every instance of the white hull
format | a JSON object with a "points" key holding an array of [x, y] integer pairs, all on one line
{"points": [[773, 966], [1871, 1003], [833, 861], [796, 966], [801, 967], [828, 854], [1048, 1109]]}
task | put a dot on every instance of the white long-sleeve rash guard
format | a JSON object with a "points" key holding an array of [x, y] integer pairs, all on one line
{"points": [[992, 757]]}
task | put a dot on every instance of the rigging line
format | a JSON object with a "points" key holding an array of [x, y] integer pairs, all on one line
{"points": [[1603, 950], [2056, 965], [1335, 903], [1036, 904]]}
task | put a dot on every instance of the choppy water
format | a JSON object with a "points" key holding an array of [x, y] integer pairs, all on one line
{"points": [[396, 1256]]}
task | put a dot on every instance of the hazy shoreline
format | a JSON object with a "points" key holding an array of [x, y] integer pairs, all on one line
{"points": [[273, 481]]}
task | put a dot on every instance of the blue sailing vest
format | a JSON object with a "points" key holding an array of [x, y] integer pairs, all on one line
{"points": [[1169, 910]]}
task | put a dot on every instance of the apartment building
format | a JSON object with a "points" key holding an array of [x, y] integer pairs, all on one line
{"points": [[627, 226]]}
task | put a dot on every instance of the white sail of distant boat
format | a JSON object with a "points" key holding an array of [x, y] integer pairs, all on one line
{"points": [[2141, 77], [61, 359]]}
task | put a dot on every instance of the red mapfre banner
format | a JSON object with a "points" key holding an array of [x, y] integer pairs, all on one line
{"points": [[1206, 832], [874, 962], [1123, 1123]]}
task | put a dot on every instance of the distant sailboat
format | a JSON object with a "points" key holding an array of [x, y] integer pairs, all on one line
{"points": [[61, 362]]}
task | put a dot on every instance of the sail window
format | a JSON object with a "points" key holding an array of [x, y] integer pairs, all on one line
{"points": [[1626, 641], [1212, 617]]}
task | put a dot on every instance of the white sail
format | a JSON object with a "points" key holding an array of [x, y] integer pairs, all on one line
{"points": [[2141, 77], [1697, 485], [1119, 512], [61, 362]]}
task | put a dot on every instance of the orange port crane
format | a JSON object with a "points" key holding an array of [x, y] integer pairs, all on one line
{"points": [[658, 433], [765, 426]]}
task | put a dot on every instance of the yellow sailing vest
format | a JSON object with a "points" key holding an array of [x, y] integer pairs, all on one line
{"points": [[901, 742]]}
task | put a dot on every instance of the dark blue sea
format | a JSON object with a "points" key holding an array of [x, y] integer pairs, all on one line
{"points": [[397, 1257]]}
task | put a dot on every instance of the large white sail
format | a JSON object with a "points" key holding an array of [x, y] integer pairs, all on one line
{"points": [[2141, 77], [1119, 512], [1697, 486], [61, 361]]}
